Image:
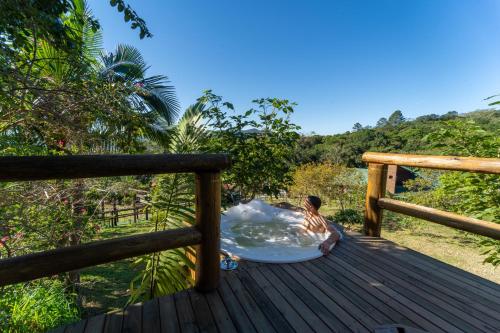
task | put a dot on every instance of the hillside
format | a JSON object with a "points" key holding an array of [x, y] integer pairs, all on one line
{"points": [[394, 134]]}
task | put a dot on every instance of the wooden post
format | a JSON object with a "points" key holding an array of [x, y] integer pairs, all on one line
{"points": [[103, 212], [377, 177], [115, 214], [147, 211], [134, 207], [208, 203]]}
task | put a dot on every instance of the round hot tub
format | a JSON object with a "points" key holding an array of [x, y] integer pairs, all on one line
{"points": [[260, 232]]}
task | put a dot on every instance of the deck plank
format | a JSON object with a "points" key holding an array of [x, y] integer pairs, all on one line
{"points": [[259, 320], [333, 316], [237, 313], [114, 322], [442, 325], [372, 290], [327, 294], [187, 320], [168, 315], [221, 315], [95, 324], [132, 318], [465, 295], [418, 264], [416, 288], [365, 282], [485, 287], [292, 316], [202, 312], [276, 318], [368, 295], [151, 316]]}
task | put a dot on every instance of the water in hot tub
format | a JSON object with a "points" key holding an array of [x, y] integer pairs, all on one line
{"points": [[274, 233]]}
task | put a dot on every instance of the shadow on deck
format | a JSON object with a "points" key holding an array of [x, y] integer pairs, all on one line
{"points": [[366, 282]]}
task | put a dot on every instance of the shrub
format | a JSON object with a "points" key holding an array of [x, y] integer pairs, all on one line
{"points": [[331, 182], [36, 307], [348, 217]]}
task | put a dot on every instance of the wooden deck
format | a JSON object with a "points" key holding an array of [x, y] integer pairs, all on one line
{"points": [[365, 282]]}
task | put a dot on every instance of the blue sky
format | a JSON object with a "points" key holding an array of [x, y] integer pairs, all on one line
{"points": [[342, 61]]}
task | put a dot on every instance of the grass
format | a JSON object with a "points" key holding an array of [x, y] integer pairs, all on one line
{"points": [[106, 287], [451, 246]]}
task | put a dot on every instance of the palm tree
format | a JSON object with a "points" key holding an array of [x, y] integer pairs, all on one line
{"points": [[68, 114], [151, 98], [121, 106]]}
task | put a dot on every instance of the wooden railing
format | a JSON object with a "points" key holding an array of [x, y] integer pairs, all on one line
{"points": [[205, 233], [115, 214], [377, 176]]}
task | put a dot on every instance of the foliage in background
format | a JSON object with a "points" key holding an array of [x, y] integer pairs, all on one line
{"points": [[21, 20], [402, 136], [348, 217], [59, 95], [36, 307], [40, 215], [260, 143], [331, 182], [471, 194], [152, 102]]}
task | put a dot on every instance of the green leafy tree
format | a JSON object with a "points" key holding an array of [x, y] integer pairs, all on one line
{"points": [[472, 194], [396, 118], [357, 127], [59, 100], [381, 122], [21, 21], [261, 143]]}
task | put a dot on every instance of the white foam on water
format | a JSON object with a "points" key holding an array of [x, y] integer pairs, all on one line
{"points": [[260, 232]]}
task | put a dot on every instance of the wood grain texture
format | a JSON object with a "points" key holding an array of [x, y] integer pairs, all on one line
{"points": [[23, 168], [364, 283], [47, 263], [377, 177], [453, 220], [471, 164], [208, 203]]}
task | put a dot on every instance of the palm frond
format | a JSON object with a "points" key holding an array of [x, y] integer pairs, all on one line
{"points": [[125, 62], [167, 272], [152, 95], [172, 203]]}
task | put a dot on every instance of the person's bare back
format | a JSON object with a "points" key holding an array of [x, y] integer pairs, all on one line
{"points": [[315, 222]]}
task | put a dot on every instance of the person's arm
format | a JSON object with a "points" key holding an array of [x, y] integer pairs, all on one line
{"points": [[332, 239]]}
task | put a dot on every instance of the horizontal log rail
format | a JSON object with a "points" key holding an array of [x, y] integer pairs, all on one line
{"points": [[377, 178], [128, 209], [471, 164], [205, 235], [22, 168], [47, 263], [453, 220]]}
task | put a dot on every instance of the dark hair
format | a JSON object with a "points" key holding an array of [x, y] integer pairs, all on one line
{"points": [[315, 201]]}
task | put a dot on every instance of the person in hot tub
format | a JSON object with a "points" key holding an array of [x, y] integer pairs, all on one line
{"points": [[315, 222]]}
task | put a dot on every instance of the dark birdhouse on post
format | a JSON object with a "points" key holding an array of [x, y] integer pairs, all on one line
{"points": [[396, 176]]}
